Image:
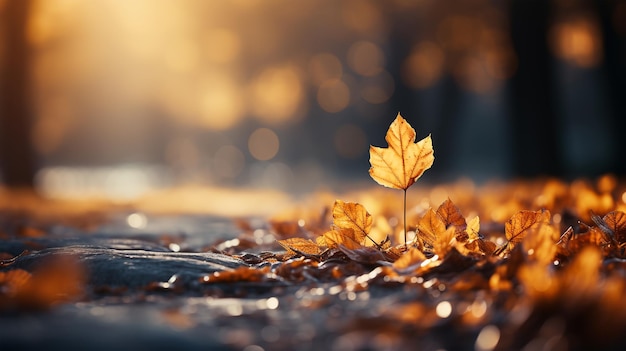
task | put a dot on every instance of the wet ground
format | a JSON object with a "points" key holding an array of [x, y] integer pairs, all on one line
{"points": [[147, 282], [134, 281]]}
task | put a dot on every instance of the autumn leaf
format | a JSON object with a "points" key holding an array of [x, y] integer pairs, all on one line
{"points": [[540, 243], [516, 228], [474, 243], [613, 224], [443, 243], [411, 257], [451, 215], [472, 229], [363, 254], [351, 215], [404, 161], [430, 227], [300, 246], [340, 236]]}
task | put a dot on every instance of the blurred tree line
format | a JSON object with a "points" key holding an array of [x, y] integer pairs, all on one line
{"points": [[534, 142]]}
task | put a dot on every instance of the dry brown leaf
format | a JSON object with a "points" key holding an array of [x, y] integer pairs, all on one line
{"points": [[540, 243], [475, 243], [430, 227], [380, 233], [451, 215], [516, 228], [443, 243], [472, 229], [341, 236], [411, 257], [351, 215], [363, 254], [616, 222], [592, 236], [300, 246], [404, 161]]}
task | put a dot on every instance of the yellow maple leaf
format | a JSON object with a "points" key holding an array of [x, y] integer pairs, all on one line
{"points": [[405, 160]]}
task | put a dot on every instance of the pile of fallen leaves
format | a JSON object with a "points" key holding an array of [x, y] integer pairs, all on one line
{"points": [[550, 276]]}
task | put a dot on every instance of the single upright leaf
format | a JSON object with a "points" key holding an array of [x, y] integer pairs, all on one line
{"points": [[351, 215], [404, 161]]}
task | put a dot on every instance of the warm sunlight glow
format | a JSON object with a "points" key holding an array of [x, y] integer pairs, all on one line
{"points": [[276, 94], [222, 45]]}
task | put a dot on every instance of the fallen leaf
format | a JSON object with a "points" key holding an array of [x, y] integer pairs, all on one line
{"points": [[429, 227], [340, 236], [540, 244], [516, 228], [443, 242], [300, 246], [351, 215], [363, 254], [472, 229], [405, 160], [451, 215], [616, 222], [409, 258]]}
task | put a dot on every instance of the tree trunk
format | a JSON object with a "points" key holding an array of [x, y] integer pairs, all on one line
{"points": [[16, 152], [536, 144]]}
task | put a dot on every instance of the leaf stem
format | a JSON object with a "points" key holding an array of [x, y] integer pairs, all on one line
{"points": [[404, 221]]}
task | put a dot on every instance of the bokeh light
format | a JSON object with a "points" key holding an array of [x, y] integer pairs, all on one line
{"points": [[263, 144], [276, 94], [333, 95]]}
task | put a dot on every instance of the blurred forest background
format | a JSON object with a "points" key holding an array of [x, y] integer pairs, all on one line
{"points": [[125, 96]]}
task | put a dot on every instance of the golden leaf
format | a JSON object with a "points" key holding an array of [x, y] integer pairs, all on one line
{"points": [[341, 236], [540, 243], [430, 227], [405, 160], [451, 215], [475, 243], [516, 228], [300, 246], [443, 243], [351, 215], [472, 229], [409, 258]]}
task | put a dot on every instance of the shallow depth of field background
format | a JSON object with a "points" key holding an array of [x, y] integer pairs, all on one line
{"points": [[117, 98]]}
